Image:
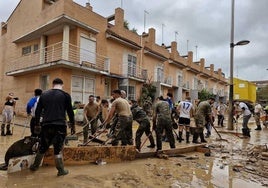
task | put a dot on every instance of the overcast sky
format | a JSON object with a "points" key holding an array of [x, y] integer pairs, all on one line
{"points": [[205, 24]]}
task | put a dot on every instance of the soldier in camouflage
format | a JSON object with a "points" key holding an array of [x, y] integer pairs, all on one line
{"points": [[162, 121], [140, 116], [203, 113]]}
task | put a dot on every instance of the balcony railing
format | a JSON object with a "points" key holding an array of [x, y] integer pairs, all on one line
{"points": [[133, 71], [61, 52], [165, 80]]}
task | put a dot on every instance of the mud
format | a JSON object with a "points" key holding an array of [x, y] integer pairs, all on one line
{"points": [[236, 163]]}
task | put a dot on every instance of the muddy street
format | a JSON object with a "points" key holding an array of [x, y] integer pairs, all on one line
{"points": [[233, 162]]}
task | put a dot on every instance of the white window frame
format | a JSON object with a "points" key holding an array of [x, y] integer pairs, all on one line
{"points": [[132, 65], [82, 87]]}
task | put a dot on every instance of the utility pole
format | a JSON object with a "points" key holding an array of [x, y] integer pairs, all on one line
{"points": [[163, 25], [187, 46], [196, 52], [176, 33], [145, 12]]}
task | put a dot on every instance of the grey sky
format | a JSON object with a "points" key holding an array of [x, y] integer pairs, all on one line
{"points": [[204, 23]]}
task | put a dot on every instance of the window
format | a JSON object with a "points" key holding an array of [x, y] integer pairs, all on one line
{"points": [[26, 50], [35, 48], [82, 87], [132, 63], [130, 91], [159, 74], [44, 82], [180, 80], [87, 50], [195, 83]]}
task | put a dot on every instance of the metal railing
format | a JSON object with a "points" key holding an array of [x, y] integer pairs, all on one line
{"points": [[61, 51]]}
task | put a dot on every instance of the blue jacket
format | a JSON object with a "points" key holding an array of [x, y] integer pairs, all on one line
{"points": [[30, 105]]}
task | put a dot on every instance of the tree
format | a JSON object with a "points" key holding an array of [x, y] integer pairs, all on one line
{"points": [[126, 25], [204, 95]]}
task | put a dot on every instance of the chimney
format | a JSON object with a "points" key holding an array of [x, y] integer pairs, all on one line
{"points": [[119, 18], [88, 6]]}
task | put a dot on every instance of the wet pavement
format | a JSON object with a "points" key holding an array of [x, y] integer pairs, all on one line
{"points": [[228, 166]]}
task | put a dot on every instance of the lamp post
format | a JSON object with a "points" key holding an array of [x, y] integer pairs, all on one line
{"points": [[231, 84]]}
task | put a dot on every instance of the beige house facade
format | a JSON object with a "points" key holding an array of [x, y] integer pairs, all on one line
{"points": [[45, 39]]}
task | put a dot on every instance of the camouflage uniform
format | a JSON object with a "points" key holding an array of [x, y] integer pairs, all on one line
{"points": [[162, 121], [202, 112], [123, 123], [140, 116]]}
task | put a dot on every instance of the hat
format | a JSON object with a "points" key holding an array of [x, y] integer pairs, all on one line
{"points": [[57, 81]]}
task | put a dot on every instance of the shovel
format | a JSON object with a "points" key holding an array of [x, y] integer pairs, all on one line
{"points": [[25, 126], [219, 134]]}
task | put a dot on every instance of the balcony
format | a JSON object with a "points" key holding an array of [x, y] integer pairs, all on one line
{"points": [[59, 55], [134, 72], [186, 86], [165, 81]]}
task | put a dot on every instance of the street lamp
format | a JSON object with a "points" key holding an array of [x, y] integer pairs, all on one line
{"points": [[231, 85]]}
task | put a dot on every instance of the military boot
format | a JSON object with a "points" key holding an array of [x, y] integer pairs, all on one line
{"points": [[3, 130], [187, 137], [248, 132], [37, 162], [151, 139], [244, 132], [180, 136], [195, 137], [8, 130], [258, 128], [202, 138], [60, 166]]}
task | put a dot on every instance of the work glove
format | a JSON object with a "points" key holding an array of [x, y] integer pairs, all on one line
{"points": [[37, 129]]}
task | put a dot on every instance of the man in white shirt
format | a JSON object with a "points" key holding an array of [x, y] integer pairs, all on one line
{"points": [[257, 115], [185, 110]]}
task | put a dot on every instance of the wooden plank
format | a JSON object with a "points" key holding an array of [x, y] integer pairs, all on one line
{"points": [[171, 152], [89, 154], [203, 149], [264, 154]]}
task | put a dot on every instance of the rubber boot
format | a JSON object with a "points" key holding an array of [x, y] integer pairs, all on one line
{"points": [[187, 137], [244, 132], [202, 138], [37, 162], [248, 132], [8, 130], [195, 137], [3, 130], [60, 166], [151, 139], [258, 128], [180, 136]]}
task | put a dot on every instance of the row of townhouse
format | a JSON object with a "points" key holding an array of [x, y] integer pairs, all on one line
{"points": [[45, 39]]}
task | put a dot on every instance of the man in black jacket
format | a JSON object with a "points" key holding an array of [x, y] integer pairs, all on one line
{"points": [[53, 104]]}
